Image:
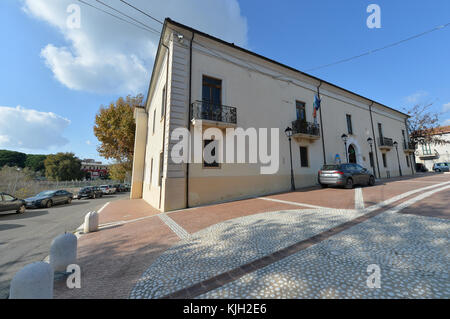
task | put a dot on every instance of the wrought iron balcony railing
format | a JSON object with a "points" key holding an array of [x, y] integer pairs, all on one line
{"points": [[303, 127], [409, 146], [386, 141], [203, 110]]}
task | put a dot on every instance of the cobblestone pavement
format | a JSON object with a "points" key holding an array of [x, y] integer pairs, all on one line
{"points": [[411, 251], [221, 247]]}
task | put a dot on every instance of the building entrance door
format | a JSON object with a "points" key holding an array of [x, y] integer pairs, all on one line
{"points": [[351, 154]]}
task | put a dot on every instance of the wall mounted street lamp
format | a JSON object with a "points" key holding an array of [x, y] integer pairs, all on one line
{"points": [[370, 141], [398, 158], [288, 132], [344, 137]]}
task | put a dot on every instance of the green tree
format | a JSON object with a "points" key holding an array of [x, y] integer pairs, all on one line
{"points": [[118, 172], [35, 162], [63, 167], [115, 129], [11, 158]]}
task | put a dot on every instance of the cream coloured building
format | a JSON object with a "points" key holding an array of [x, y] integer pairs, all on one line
{"points": [[429, 154], [199, 82]]}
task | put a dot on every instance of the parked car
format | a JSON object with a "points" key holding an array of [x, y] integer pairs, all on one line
{"points": [[98, 191], [441, 167], [346, 175], [127, 187], [421, 168], [49, 198], [89, 192], [107, 189], [10, 203], [118, 188]]}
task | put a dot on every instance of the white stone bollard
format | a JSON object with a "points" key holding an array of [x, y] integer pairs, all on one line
{"points": [[91, 222], [34, 281], [63, 252]]}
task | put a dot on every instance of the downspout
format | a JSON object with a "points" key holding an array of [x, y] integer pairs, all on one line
{"points": [[165, 119], [412, 159], [321, 125], [189, 119], [374, 139]]}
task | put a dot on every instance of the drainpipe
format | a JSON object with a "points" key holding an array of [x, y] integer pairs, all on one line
{"points": [[374, 139], [165, 118], [412, 159], [189, 120], [321, 125]]}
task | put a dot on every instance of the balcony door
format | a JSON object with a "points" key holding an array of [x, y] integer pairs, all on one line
{"points": [[212, 99]]}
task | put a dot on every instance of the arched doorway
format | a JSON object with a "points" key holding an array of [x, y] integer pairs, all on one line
{"points": [[351, 154]]}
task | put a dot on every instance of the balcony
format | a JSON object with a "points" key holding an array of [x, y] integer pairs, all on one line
{"points": [[385, 143], [409, 147], [302, 130], [208, 114]]}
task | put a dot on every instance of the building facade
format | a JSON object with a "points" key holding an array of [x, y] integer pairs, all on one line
{"points": [[429, 154], [201, 82], [94, 170]]}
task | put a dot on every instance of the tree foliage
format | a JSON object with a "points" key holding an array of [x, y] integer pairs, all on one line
{"points": [[118, 171], [423, 124], [35, 162], [115, 129], [11, 158], [63, 167]]}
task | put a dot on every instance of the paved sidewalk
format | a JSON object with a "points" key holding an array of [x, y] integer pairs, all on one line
{"points": [[141, 253]]}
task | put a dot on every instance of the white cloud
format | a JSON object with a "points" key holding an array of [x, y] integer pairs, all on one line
{"points": [[446, 108], [446, 122], [30, 129], [106, 55], [416, 97]]}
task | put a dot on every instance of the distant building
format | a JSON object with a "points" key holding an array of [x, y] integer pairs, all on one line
{"points": [[94, 170], [429, 154]]}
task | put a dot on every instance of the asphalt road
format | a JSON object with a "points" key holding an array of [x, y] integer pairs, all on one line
{"points": [[26, 238]]}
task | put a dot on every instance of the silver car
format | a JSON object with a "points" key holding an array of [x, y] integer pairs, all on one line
{"points": [[345, 175]]}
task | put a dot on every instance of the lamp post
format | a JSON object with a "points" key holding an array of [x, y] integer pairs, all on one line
{"points": [[344, 137], [398, 158], [370, 141], [288, 132]]}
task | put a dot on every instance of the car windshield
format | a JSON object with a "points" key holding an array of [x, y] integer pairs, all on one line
{"points": [[85, 188], [330, 167], [46, 193]]}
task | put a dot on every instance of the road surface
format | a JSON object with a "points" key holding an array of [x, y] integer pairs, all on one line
{"points": [[26, 238]]}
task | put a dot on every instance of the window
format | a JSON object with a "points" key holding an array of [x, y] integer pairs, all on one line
{"points": [[151, 173], [212, 99], [426, 149], [380, 131], [163, 105], [349, 124], [404, 137], [8, 198], [161, 168], [154, 118], [303, 156], [214, 163], [300, 110], [407, 161], [384, 160]]}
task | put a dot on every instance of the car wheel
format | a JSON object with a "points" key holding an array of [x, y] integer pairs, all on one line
{"points": [[349, 183], [371, 181], [21, 209], [69, 201], [94, 196], [49, 204]]}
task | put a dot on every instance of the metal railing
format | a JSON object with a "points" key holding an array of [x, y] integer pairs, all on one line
{"points": [[203, 110], [303, 127], [386, 141], [409, 146]]}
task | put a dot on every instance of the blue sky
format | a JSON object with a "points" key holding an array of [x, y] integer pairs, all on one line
{"points": [[59, 78]]}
